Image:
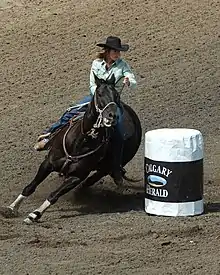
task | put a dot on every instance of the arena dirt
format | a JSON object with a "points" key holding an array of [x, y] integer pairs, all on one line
{"points": [[46, 52]]}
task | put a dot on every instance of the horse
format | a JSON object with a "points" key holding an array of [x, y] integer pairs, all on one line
{"points": [[83, 147]]}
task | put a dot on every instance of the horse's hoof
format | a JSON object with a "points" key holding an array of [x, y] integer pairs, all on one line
{"points": [[28, 221], [119, 182], [8, 212], [32, 217]]}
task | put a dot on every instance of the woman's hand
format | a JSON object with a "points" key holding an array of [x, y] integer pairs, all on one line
{"points": [[126, 81]]}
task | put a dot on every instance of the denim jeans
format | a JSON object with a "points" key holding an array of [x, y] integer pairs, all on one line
{"points": [[74, 111], [67, 115]]}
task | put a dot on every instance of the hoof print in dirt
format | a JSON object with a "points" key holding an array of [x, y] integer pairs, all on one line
{"points": [[7, 212]]}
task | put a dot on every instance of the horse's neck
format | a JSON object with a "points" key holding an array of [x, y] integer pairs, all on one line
{"points": [[83, 127], [90, 117]]}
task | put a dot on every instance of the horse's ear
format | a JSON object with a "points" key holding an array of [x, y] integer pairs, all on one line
{"points": [[111, 80], [97, 80]]}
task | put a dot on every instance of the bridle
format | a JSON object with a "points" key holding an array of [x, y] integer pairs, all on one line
{"points": [[98, 124], [100, 120]]}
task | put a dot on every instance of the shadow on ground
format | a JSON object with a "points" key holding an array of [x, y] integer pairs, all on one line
{"points": [[100, 200], [212, 207]]}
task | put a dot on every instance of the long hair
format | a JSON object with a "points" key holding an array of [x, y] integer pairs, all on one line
{"points": [[103, 55]]}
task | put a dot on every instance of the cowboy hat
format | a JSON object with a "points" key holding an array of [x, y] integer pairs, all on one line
{"points": [[114, 42]]}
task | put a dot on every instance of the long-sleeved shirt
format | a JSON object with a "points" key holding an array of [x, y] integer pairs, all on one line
{"points": [[119, 68]]}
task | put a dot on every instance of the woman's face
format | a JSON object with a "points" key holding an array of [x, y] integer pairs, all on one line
{"points": [[114, 54]]}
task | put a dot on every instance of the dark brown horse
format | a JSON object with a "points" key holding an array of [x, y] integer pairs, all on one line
{"points": [[85, 146]]}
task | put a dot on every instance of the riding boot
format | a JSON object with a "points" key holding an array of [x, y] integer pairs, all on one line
{"points": [[64, 119], [40, 145], [45, 136]]}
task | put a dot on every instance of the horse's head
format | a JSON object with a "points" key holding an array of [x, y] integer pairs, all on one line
{"points": [[106, 100]]}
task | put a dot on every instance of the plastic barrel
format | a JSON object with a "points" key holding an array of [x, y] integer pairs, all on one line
{"points": [[174, 172]]}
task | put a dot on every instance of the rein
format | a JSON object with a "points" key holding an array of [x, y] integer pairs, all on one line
{"points": [[70, 159], [121, 89], [75, 158], [99, 123]]}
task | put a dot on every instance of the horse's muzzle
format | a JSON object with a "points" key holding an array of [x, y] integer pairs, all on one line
{"points": [[109, 122]]}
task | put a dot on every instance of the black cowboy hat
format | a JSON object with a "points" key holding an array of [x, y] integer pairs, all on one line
{"points": [[114, 42]]}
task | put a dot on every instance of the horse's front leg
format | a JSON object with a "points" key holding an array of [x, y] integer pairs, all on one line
{"points": [[67, 185], [44, 170]]}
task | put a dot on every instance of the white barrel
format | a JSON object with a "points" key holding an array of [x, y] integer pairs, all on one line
{"points": [[174, 172]]}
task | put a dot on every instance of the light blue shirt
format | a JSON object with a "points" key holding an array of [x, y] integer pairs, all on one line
{"points": [[119, 68]]}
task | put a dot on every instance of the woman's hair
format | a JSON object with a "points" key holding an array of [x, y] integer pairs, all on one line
{"points": [[103, 54]]}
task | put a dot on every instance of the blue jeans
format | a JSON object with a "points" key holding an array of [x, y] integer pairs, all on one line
{"points": [[67, 116], [74, 111]]}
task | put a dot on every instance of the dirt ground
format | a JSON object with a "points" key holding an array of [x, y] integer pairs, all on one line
{"points": [[46, 52]]}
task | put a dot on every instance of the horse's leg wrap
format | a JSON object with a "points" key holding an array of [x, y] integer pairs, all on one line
{"points": [[44, 170], [37, 213], [11, 211], [16, 204], [68, 184]]}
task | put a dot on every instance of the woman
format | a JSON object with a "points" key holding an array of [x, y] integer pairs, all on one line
{"points": [[107, 63]]}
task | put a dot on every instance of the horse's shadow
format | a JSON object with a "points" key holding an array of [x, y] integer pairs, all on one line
{"points": [[100, 200]]}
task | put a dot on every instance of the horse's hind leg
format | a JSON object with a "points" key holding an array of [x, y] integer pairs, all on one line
{"points": [[91, 180], [44, 170], [69, 184]]}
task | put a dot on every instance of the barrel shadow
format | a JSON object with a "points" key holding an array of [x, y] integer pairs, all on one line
{"points": [[211, 207]]}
